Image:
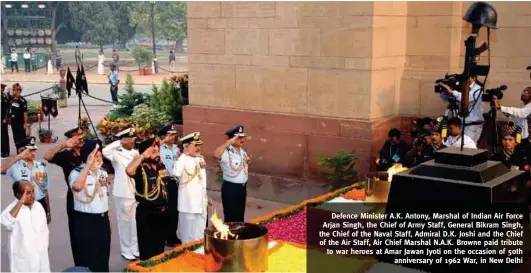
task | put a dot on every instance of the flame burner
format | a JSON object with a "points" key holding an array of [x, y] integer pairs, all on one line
{"points": [[246, 251]]}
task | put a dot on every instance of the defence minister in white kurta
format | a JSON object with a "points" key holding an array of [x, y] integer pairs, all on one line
{"points": [[28, 234]]}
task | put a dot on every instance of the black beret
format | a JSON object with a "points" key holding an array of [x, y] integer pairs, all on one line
{"points": [[235, 131], [73, 132], [144, 145], [88, 147], [168, 129]]}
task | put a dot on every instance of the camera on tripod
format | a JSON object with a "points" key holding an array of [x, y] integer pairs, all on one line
{"points": [[489, 93], [451, 80]]}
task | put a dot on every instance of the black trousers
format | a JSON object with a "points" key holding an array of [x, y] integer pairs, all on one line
{"points": [[19, 133], [13, 66], [114, 93], [93, 240], [233, 198], [5, 138], [173, 213], [33, 67], [70, 213], [27, 66], [151, 230]]}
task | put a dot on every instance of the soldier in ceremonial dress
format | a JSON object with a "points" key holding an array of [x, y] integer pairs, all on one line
{"points": [[92, 228], [121, 152], [193, 200], [151, 179], [68, 156], [510, 156], [25, 167], [234, 162], [169, 153]]}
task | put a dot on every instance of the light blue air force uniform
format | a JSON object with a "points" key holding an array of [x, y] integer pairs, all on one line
{"points": [[100, 203], [169, 155], [231, 162], [21, 171]]}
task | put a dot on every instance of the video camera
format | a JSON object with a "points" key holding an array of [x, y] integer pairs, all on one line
{"points": [[451, 80], [418, 131], [489, 93]]}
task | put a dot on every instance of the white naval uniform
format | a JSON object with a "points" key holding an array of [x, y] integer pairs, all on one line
{"points": [[455, 142], [28, 237], [193, 201], [169, 155], [124, 197]]}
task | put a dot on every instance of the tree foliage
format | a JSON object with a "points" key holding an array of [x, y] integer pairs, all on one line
{"points": [[167, 99], [95, 20], [169, 18], [343, 172]]}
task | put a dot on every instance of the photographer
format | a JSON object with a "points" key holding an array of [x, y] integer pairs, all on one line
{"points": [[454, 140], [520, 116], [474, 125], [438, 133], [393, 151]]}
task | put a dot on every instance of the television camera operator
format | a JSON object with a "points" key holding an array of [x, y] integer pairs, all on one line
{"points": [[475, 120], [520, 116], [421, 135]]}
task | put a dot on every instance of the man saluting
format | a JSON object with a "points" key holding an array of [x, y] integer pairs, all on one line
{"points": [[169, 153], [121, 152], [234, 163], [151, 179], [68, 157], [193, 200]]}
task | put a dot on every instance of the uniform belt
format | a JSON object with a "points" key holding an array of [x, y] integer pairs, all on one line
{"points": [[103, 214], [474, 123], [242, 184]]}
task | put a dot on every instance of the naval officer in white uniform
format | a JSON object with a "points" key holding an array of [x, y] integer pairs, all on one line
{"points": [[121, 152], [193, 200]]}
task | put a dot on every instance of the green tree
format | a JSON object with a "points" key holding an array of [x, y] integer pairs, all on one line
{"points": [[167, 99], [96, 20], [129, 99], [343, 172], [169, 18], [125, 31]]}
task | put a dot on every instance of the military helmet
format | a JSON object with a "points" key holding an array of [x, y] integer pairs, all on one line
{"points": [[481, 13]]}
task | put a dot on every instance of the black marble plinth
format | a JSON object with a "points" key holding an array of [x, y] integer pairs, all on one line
{"points": [[465, 158]]}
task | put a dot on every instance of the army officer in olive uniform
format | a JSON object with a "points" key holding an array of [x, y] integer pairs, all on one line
{"points": [[234, 163], [25, 167]]}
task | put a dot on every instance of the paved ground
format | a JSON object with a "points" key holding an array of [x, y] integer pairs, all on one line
{"points": [[60, 253], [96, 90]]}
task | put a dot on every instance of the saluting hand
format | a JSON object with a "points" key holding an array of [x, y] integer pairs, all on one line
{"points": [[25, 196], [92, 155], [149, 152], [233, 140], [74, 141], [24, 154]]}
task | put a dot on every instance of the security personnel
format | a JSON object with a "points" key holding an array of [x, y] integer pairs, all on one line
{"points": [[121, 152], [151, 178], [24, 167], [6, 104], [510, 156], [92, 232], [68, 156], [438, 133], [234, 163], [169, 153], [193, 201], [19, 114]]}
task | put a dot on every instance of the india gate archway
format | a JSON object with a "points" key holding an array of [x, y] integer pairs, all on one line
{"points": [[314, 78]]}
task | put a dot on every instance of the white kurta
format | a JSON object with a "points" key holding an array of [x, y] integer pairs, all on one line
{"points": [[124, 197], [50, 68], [193, 199], [456, 142], [28, 237], [101, 68]]}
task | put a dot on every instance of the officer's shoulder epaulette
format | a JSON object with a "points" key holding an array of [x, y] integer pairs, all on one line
{"points": [[78, 169], [244, 150], [119, 149], [230, 149]]}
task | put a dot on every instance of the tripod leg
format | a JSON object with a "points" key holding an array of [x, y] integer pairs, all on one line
{"points": [[90, 120]]}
